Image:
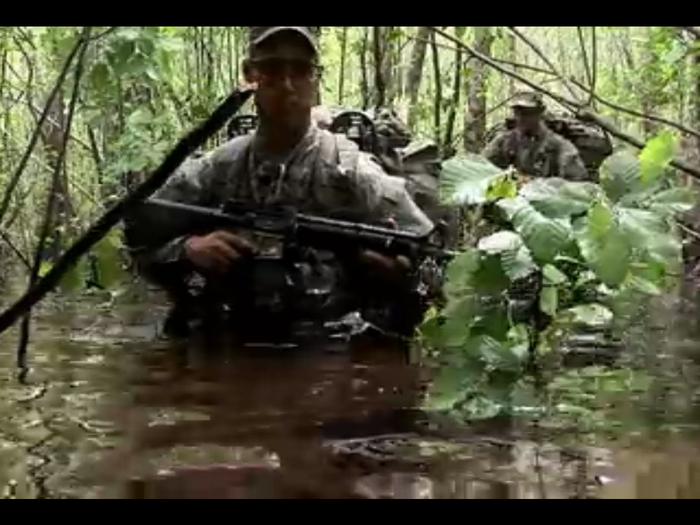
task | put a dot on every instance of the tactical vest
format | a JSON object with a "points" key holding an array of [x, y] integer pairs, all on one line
{"points": [[302, 283], [538, 161], [336, 159]]}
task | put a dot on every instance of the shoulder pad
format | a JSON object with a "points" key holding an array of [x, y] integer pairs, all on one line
{"points": [[232, 150], [426, 147], [338, 150]]}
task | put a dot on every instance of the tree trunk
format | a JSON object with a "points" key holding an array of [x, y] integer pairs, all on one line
{"points": [[475, 115], [415, 73], [53, 137], [364, 68], [343, 64], [447, 148], [379, 56]]}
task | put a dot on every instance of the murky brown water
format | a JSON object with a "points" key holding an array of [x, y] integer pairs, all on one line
{"points": [[112, 413]]}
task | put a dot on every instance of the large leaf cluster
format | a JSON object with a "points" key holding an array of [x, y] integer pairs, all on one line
{"points": [[591, 247]]}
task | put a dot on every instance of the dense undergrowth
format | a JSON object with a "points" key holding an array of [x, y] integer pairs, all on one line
{"points": [[550, 262]]}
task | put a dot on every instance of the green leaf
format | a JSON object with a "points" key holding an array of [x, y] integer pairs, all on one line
{"points": [[490, 278], [503, 187], [44, 268], [552, 275], [619, 174], [74, 278], [603, 245], [109, 261], [519, 340], [515, 257], [466, 180], [544, 237], [654, 159], [447, 388], [460, 272], [644, 286], [100, 76], [456, 329], [558, 198], [651, 234], [671, 201], [591, 314], [549, 300]]}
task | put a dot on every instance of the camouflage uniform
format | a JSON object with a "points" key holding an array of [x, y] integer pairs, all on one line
{"points": [[542, 154], [325, 175]]}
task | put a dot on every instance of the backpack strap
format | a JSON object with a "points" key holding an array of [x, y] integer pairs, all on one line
{"points": [[336, 165], [235, 157], [337, 157]]}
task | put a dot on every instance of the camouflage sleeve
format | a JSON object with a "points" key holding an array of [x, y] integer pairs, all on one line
{"points": [[192, 184], [495, 152], [386, 197], [571, 166]]}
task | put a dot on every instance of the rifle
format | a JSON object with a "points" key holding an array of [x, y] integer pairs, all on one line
{"points": [[298, 229]]}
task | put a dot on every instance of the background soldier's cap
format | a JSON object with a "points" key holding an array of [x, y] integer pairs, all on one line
{"points": [[257, 35], [527, 99]]}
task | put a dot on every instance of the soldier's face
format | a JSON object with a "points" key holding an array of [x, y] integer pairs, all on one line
{"points": [[527, 119], [286, 73]]}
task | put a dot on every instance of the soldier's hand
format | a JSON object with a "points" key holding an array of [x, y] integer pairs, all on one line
{"points": [[385, 264], [216, 251], [387, 267]]}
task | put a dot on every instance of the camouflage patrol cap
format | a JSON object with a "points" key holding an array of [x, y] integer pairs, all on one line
{"points": [[257, 35], [527, 99]]}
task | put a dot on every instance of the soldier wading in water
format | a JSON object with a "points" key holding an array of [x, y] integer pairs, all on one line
{"points": [[288, 160]]}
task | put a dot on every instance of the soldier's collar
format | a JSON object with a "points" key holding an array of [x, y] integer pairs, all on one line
{"points": [[539, 133], [259, 153]]}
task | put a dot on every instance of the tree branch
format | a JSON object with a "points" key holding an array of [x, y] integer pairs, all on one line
{"points": [[52, 197], [564, 101], [544, 59], [692, 30], [639, 114], [15, 250], [589, 116]]}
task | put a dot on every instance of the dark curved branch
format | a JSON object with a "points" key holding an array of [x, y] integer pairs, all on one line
{"points": [[184, 148], [104, 33]]}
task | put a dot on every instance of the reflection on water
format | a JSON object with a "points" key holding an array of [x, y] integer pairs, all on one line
{"points": [[112, 413]]}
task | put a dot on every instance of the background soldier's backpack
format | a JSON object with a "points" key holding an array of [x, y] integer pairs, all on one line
{"points": [[389, 140], [241, 125], [593, 143]]}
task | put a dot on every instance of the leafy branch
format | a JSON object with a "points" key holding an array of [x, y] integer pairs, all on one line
{"points": [[557, 260]]}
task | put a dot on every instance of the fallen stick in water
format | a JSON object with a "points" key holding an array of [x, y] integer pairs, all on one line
{"points": [[184, 148]]}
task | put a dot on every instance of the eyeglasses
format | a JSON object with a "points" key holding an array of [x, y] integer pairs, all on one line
{"points": [[275, 69]]}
